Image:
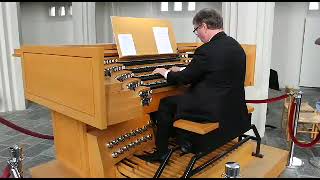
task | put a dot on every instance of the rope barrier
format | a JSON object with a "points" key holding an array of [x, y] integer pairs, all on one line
{"points": [[271, 100], [23, 130], [34, 134], [291, 133], [6, 172], [290, 119]]}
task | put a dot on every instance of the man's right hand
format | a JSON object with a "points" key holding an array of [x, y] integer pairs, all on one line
{"points": [[175, 69]]}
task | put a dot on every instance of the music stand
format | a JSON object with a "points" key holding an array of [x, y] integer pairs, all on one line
{"points": [[315, 161]]}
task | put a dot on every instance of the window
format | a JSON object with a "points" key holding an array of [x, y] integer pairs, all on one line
{"points": [[52, 11], [191, 6], [164, 6], [70, 10], [62, 11], [313, 5], [177, 6]]}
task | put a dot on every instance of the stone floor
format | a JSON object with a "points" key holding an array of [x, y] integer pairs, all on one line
{"points": [[38, 151]]}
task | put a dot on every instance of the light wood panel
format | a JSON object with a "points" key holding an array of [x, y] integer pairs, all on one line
{"points": [[70, 142], [61, 79], [53, 169], [250, 166], [160, 93], [250, 108], [68, 80], [271, 165], [89, 109], [102, 164], [199, 128], [250, 51], [142, 33]]}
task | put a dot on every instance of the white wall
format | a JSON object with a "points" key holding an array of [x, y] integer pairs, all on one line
{"points": [[100, 22], [103, 22], [252, 23], [37, 27], [11, 84], [84, 22], [182, 21], [310, 61], [311, 52], [287, 41]]}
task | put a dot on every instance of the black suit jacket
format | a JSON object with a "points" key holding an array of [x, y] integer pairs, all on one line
{"points": [[216, 76]]}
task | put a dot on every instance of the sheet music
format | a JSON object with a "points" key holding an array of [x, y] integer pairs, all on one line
{"points": [[126, 45], [161, 36]]}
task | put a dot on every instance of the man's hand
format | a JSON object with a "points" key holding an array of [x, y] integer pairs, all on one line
{"points": [[161, 71], [175, 69]]}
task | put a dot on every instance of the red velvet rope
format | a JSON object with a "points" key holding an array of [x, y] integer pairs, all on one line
{"points": [[267, 100], [28, 132], [25, 131], [292, 110], [290, 124], [291, 119], [6, 172]]}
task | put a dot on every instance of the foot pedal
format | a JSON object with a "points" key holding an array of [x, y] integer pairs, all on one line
{"points": [[147, 152], [182, 154]]}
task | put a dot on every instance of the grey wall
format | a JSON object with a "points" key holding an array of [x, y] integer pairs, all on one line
{"points": [[182, 21], [287, 41], [38, 28]]}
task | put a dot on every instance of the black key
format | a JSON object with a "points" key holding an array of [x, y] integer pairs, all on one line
{"points": [[149, 77], [158, 85], [148, 61]]}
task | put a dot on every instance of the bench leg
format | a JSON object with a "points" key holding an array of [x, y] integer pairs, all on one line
{"points": [[258, 139], [164, 163]]}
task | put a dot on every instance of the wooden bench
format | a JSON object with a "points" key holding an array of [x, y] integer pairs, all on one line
{"points": [[200, 128]]}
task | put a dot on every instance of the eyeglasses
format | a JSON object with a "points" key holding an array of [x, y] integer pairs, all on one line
{"points": [[195, 30]]}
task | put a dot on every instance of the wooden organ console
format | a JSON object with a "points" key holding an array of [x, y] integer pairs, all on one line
{"points": [[100, 104]]}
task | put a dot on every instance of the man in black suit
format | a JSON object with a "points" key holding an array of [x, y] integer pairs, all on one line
{"points": [[216, 94]]}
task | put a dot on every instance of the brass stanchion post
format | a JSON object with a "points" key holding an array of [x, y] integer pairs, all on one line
{"points": [[15, 162], [294, 162]]}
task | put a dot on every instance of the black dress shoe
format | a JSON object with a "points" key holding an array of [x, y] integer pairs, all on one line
{"points": [[156, 156], [186, 147]]}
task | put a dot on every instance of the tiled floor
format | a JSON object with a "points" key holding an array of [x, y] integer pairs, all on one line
{"points": [[35, 118], [38, 151]]}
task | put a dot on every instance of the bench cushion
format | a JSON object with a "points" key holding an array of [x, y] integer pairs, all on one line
{"points": [[200, 128]]}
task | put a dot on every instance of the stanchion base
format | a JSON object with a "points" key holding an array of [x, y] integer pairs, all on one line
{"points": [[296, 162], [315, 161]]}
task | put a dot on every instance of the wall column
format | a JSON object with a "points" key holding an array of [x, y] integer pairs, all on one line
{"points": [[84, 22], [252, 23], [11, 82]]}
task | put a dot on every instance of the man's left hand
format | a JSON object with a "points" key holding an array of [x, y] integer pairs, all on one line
{"points": [[161, 71]]}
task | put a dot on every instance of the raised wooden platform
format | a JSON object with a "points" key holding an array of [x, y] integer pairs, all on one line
{"points": [[52, 169], [271, 165]]}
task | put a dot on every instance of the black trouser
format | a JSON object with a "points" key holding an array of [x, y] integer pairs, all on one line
{"points": [[164, 118]]}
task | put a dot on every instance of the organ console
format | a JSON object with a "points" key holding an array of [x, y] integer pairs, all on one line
{"points": [[100, 103]]}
